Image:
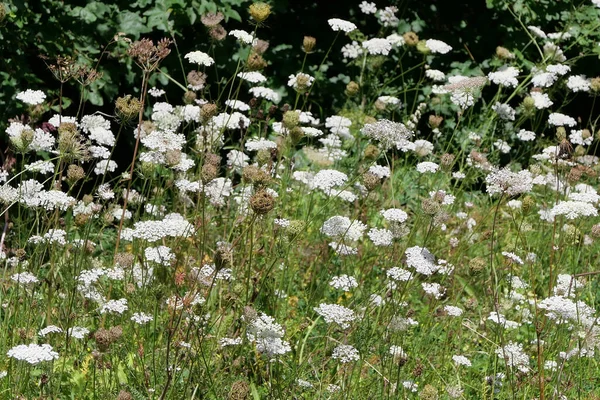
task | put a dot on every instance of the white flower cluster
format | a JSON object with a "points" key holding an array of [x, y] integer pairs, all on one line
{"points": [[381, 237], [267, 334], [507, 182], [437, 46], [171, 226], [33, 353], [505, 77], [336, 313], [579, 83], [200, 58], [343, 282], [421, 260], [389, 134], [345, 353], [31, 97], [114, 306], [338, 24], [339, 227], [160, 255], [265, 93], [514, 356], [377, 46], [242, 36], [574, 209], [558, 119]]}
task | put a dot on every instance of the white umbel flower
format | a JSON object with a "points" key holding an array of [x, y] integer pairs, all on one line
{"points": [[31, 97], [338, 24], [505, 77], [437, 46], [33, 353], [558, 119], [377, 46], [200, 58]]}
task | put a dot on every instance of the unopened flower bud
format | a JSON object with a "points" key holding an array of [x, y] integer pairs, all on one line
{"points": [[189, 97], [410, 38], [435, 121], [291, 119], [308, 44], [504, 54], [595, 84], [208, 111], [352, 88]]}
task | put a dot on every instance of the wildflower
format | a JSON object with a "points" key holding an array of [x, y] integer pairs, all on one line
{"points": [[24, 278], [141, 318], [377, 46], [259, 11], [114, 306], [508, 182], [526, 136], [421, 260], [341, 25], [461, 360], [267, 334], [504, 111], [308, 44], [433, 289], [345, 353], [380, 171], [242, 36], [260, 144], [537, 31], [513, 257], [343, 282], [266, 93], [327, 179], [387, 16], [541, 100], [367, 8], [336, 313], [505, 77], [342, 227], [574, 209], [453, 311], [154, 92], [252, 77], [381, 237], [160, 255], [427, 166], [514, 356], [435, 75], [352, 50], [502, 146], [577, 137], [49, 329], [388, 133], [579, 83], [33, 353], [437, 46], [300, 82], [31, 97]]}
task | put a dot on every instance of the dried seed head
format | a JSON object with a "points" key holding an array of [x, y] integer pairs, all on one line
{"points": [[213, 159], [447, 160], [196, 80], [127, 108], [124, 260], [208, 111], [262, 202], [209, 172], [430, 206], [240, 390], [255, 175], [371, 181], [476, 265], [435, 121], [217, 33], [256, 62], [123, 395], [596, 231], [189, 97], [74, 173], [211, 20], [595, 84], [260, 46]]}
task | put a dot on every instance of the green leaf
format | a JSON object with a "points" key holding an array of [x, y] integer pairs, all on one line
{"points": [[132, 24]]}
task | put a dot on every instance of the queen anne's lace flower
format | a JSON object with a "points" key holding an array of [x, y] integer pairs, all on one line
{"points": [[345, 353], [505, 77], [341, 25], [437, 46], [200, 58], [31, 97], [33, 353], [377, 46], [336, 313]]}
